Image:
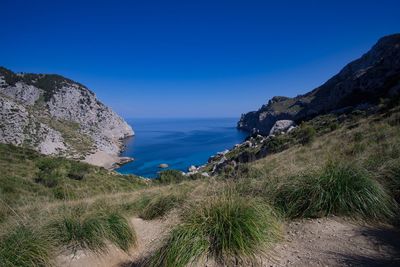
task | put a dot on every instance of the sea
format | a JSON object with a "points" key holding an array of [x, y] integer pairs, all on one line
{"points": [[179, 143]]}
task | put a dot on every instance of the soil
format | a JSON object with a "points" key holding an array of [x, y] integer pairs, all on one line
{"points": [[316, 242]]}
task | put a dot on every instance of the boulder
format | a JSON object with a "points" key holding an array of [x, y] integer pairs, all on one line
{"points": [[281, 126], [192, 168], [163, 166]]}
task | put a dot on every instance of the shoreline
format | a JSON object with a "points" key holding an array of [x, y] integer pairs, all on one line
{"points": [[107, 161], [110, 161]]}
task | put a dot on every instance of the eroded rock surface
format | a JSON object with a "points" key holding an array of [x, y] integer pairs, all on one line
{"points": [[55, 115]]}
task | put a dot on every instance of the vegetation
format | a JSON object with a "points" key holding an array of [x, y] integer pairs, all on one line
{"points": [[338, 189], [346, 166], [306, 134], [170, 176], [79, 230], [159, 205], [226, 227], [49, 83], [24, 247]]}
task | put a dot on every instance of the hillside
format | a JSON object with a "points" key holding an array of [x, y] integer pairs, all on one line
{"points": [[359, 84], [329, 201], [55, 115], [322, 190]]}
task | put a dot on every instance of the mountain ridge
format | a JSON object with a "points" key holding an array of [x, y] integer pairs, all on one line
{"points": [[363, 81]]}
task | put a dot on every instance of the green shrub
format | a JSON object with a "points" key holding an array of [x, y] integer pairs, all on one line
{"points": [[78, 230], [277, 144], [306, 134], [78, 170], [229, 228], [24, 247], [170, 176], [339, 189], [51, 171], [159, 206]]}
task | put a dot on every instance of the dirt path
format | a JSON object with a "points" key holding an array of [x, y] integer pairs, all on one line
{"points": [[318, 242], [336, 242], [147, 232]]}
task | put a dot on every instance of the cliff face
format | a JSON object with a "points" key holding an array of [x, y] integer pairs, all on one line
{"points": [[55, 115], [362, 82]]}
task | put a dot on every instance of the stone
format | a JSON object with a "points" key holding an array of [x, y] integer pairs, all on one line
{"points": [[192, 168], [163, 166], [281, 126]]}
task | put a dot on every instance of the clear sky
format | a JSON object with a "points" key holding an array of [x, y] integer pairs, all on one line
{"points": [[191, 58]]}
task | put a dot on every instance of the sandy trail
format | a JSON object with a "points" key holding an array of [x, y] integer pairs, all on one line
{"points": [[147, 232], [337, 242], [317, 242]]}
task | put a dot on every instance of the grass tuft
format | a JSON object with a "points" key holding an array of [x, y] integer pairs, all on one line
{"points": [[25, 247], [170, 176], [159, 205], [76, 230], [339, 189], [228, 228]]}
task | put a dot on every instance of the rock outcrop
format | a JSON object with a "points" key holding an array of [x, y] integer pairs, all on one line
{"points": [[55, 115], [282, 126], [362, 82]]}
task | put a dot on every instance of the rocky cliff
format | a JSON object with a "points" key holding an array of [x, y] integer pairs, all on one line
{"points": [[361, 83], [56, 115]]}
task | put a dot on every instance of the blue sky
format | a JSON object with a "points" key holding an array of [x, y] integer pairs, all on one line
{"points": [[191, 58]]}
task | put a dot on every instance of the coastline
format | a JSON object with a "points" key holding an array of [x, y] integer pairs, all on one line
{"points": [[109, 161], [105, 160]]}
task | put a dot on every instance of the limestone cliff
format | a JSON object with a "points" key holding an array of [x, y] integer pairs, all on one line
{"points": [[56, 115]]}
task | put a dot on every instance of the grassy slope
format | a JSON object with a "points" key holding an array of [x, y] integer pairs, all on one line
{"points": [[41, 194], [348, 169]]}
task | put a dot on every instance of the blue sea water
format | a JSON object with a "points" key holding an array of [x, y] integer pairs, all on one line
{"points": [[179, 143]]}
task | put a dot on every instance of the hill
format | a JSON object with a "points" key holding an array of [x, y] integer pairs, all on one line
{"points": [[359, 85], [55, 115]]}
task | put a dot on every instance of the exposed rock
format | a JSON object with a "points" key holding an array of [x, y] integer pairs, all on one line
{"points": [[364, 81], [281, 126], [163, 166], [55, 115], [192, 169]]}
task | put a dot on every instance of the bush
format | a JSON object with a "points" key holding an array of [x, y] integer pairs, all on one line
{"points": [[78, 170], [228, 228], [76, 230], [170, 176], [159, 206], [306, 134], [277, 144], [24, 247], [51, 171], [339, 189]]}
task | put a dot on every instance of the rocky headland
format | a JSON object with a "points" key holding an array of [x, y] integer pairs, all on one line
{"points": [[358, 88], [57, 116], [358, 85]]}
